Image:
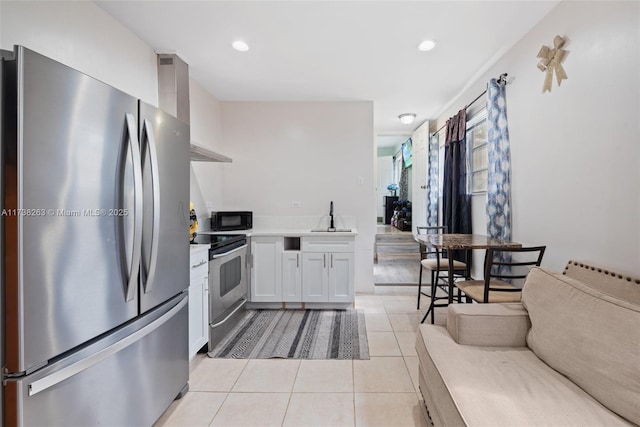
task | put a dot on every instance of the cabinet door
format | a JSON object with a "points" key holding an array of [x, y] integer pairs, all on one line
{"points": [[197, 331], [205, 311], [266, 269], [315, 278], [341, 288], [291, 277]]}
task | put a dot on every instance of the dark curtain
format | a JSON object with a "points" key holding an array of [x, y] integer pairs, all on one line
{"points": [[456, 201]]}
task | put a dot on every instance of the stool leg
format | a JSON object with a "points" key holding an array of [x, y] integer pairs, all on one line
{"points": [[427, 314], [419, 286], [434, 289]]}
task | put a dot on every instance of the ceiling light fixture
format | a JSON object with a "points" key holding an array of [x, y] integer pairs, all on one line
{"points": [[407, 118], [240, 46], [426, 45]]}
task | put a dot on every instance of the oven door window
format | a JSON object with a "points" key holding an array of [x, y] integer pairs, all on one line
{"points": [[230, 275]]}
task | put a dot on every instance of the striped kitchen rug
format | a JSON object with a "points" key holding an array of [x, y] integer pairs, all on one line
{"points": [[296, 334]]}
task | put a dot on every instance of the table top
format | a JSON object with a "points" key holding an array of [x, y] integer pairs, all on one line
{"points": [[464, 241]]}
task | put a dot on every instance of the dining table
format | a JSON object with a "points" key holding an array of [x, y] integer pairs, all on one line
{"points": [[464, 242]]}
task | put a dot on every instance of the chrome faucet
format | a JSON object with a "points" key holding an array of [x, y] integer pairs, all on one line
{"points": [[331, 225]]}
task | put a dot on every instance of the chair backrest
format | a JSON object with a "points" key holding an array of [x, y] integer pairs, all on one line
{"points": [[424, 249], [500, 265]]}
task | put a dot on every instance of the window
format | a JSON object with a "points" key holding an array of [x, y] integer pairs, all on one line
{"points": [[477, 152]]}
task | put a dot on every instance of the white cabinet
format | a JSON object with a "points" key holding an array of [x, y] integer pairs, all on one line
{"points": [[341, 280], [291, 276], [315, 277], [307, 269], [327, 277], [198, 300], [328, 269], [266, 269]]}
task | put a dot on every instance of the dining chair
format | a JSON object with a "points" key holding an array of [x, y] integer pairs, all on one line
{"points": [[500, 273], [430, 260]]}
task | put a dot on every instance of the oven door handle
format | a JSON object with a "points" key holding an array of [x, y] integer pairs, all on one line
{"points": [[242, 304], [217, 256]]}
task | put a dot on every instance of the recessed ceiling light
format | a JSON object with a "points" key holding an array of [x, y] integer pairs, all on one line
{"points": [[407, 118], [240, 46], [426, 45]]}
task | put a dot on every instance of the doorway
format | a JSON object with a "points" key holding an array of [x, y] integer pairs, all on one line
{"points": [[398, 257], [396, 253]]}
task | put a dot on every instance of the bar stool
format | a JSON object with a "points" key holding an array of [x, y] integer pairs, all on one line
{"points": [[436, 266]]}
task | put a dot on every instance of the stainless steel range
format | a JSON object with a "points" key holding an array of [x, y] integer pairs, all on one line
{"points": [[228, 283]]}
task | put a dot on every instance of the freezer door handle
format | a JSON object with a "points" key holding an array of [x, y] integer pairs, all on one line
{"points": [[132, 280], [150, 267], [84, 364]]}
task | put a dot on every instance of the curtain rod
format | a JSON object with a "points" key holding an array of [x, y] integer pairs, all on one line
{"points": [[501, 79]]}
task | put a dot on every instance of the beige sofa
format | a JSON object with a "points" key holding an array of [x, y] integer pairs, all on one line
{"points": [[568, 355]]}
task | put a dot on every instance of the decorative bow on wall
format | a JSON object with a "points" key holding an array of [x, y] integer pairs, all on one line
{"points": [[551, 59]]}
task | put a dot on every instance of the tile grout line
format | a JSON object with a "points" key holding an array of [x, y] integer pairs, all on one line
{"points": [[219, 407], [293, 384], [228, 393], [353, 381]]}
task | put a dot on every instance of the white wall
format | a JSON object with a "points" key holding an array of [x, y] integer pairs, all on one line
{"points": [[385, 177], [82, 36], [575, 151], [206, 131], [307, 152]]}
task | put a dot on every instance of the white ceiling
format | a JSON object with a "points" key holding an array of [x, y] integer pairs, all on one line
{"points": [[335, 50]]}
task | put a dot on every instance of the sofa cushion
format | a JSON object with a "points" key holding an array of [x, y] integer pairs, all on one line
{"points": [[622, 286], [591, 337], [440, 405], [494, 386], [504, 325]]}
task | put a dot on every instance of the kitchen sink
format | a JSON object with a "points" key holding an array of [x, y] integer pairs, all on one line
{"points": [[331, 230]]}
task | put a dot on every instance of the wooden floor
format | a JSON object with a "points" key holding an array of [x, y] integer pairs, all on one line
{"points": [[397, 269], [398, 257]]}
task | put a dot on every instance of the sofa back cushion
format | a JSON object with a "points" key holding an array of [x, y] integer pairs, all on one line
{"points": [[621, 286], [589, 336]]}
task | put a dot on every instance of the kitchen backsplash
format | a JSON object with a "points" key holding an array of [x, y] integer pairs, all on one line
{"points": [[301, 222]]}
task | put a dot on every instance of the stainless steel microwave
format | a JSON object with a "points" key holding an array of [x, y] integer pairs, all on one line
{"points": [[231, 220]]}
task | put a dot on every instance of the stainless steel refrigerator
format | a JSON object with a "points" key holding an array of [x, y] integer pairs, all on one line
{"points": [[95, 232]]}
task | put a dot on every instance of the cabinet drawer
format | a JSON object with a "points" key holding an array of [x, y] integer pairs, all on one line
{"points": [[328, 244], [199, 263]]}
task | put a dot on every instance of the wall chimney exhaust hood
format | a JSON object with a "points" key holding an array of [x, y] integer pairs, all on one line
{"points": [[173, 97], [201, 154]]}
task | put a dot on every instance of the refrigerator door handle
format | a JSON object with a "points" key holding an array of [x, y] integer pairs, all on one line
{"points": [[84, 364], [147, 130], [132, 280]]}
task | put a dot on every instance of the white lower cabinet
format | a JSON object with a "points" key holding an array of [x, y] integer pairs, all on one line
{"points": [[307, 269], [291, 276], [341, 280], [266, 269], [198, 301], [315, 277], [327, 277]]}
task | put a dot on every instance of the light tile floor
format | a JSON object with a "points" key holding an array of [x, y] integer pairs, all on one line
{"points": [[382, 391]]}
